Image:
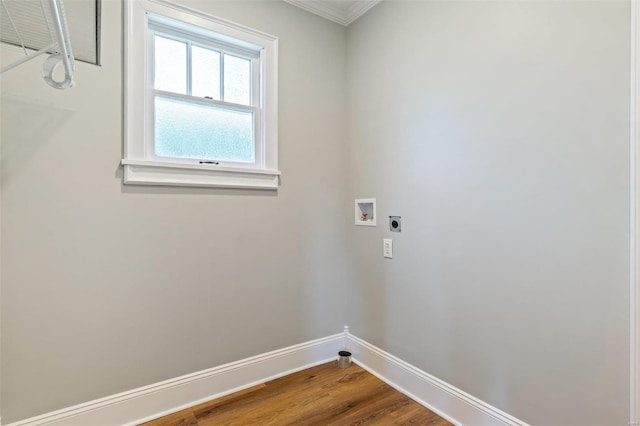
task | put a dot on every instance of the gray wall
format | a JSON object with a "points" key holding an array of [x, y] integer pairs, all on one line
{"points": [[106, 288], [499, 132]]}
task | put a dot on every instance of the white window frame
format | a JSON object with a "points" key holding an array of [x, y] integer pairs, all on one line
{"points": [[141, 165]]}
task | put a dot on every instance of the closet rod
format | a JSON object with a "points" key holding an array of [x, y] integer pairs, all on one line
{"points": [[60, 51]]}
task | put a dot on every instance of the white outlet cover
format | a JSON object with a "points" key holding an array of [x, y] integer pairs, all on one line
{"points": [[388, 248]]}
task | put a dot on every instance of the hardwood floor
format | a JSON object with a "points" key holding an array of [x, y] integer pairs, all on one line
{"points": [[322, 395]]}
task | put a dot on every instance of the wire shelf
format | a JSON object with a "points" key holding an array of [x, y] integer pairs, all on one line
{"points": [[39, 27]]}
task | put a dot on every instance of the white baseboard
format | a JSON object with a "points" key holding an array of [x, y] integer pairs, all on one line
{"points": [[447, 401], [153, 401]]}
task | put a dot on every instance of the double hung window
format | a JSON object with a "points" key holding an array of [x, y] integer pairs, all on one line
{"points": [[205, 93]]}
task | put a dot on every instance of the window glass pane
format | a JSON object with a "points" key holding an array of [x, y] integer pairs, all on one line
{"points": [[237, 80], [192, 130], [205, 69], [170, 65]]}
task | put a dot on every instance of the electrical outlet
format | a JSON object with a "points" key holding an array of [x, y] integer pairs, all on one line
{"points": [[388, 248], [395, 223]]}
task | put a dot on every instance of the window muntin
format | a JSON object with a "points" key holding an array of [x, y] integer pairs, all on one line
{"points": [[205, 103]]}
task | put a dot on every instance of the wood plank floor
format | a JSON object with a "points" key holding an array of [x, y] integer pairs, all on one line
{"points": [[322, 395]]}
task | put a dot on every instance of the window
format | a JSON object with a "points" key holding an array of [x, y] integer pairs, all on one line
{"points": [[200, 100]]}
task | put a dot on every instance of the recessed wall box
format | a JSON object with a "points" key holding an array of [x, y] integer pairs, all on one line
{"points": [[365, 211]]}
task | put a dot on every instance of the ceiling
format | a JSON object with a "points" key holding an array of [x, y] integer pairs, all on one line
{"points": [[343, 12]]}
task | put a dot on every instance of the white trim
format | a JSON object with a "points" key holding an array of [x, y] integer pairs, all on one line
{"points": [[336, 13], [634, 220], [199, 167], [321, 9], [143, 172], [163, 398], [359, 202], [359, 8], [446, 400], [138, 121]]}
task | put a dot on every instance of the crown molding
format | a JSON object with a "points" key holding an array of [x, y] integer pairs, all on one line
{"points": [[359, 8], [328, 10]]}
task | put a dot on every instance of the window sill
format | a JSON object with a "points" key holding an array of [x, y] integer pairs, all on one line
{"points": [[144, 172]]}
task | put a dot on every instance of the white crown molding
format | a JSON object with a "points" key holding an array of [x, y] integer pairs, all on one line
{"points": [[359, 8], [317, 8], [329, 10]]}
